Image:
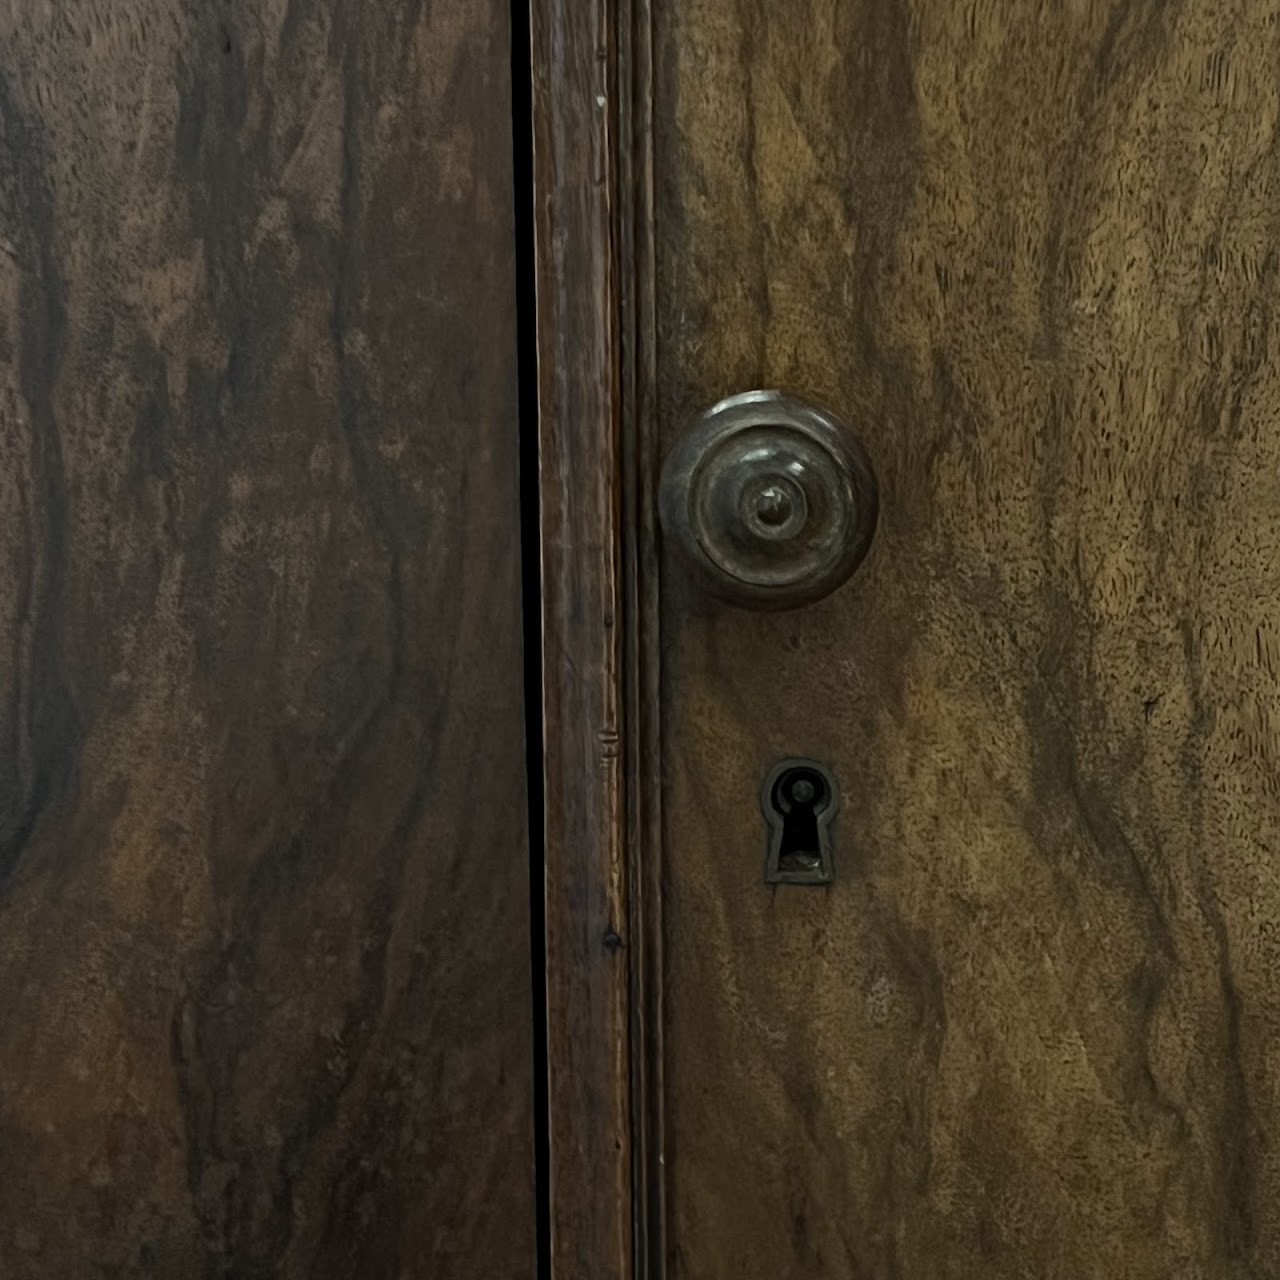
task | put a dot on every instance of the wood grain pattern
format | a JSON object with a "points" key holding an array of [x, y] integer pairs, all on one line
{"points": [[264, 981], [588, 924], [1029, 251], [642, 727]]}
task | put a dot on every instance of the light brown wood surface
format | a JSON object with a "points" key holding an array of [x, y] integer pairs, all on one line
{"points": [[1029, 252], [264, 953]]}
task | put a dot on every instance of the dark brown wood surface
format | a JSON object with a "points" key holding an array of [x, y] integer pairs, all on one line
{"points": [[589, 944], [1029, 251], [264, 982]]}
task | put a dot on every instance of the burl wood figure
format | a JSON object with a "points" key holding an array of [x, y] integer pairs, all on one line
{"points": [[1029, 252], [264, 974]]}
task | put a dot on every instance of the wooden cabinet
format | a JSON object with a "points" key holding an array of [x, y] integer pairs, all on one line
{"points": [[308, 476], [1026, 253], [264, 953]]}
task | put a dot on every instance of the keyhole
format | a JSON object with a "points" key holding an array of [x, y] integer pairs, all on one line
{"points": [[800, 801]]}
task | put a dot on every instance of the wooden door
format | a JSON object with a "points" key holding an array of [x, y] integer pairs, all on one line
{"points": [[264, 937], [1027, 252]]}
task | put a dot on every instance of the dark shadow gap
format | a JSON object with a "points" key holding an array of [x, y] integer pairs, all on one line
{"points": [[531, 578]]}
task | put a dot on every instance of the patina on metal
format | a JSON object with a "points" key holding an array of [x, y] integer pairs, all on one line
{"points": [[799, 799], [770, 500]]}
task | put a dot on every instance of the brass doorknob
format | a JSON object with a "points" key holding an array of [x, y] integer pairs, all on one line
{"points": [[770, 500]]}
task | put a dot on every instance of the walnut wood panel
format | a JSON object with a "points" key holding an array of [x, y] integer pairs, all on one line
{"points": [[264, 981], [1029, 252]]}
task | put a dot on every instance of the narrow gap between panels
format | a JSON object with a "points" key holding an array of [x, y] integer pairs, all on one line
{"points": [[531, 576]]}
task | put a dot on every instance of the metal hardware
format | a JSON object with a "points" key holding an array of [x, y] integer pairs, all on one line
{"points": [[800, 799], [770, 500]]}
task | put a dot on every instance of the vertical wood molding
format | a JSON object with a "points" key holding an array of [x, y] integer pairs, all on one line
{"points": [[587, 927], [641, 465], [597, 466]]}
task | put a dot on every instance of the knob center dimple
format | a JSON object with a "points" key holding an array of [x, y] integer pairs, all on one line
{"points": [[774, 505], [772, 508]]}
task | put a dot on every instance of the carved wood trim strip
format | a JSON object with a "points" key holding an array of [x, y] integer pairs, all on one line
{"points": [[598, 467]]}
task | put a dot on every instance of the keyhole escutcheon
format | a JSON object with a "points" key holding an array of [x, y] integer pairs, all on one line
{"points": [[800, 799]]}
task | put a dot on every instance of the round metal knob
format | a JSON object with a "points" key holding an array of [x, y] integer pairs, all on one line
{"points": [[770, 500]]}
